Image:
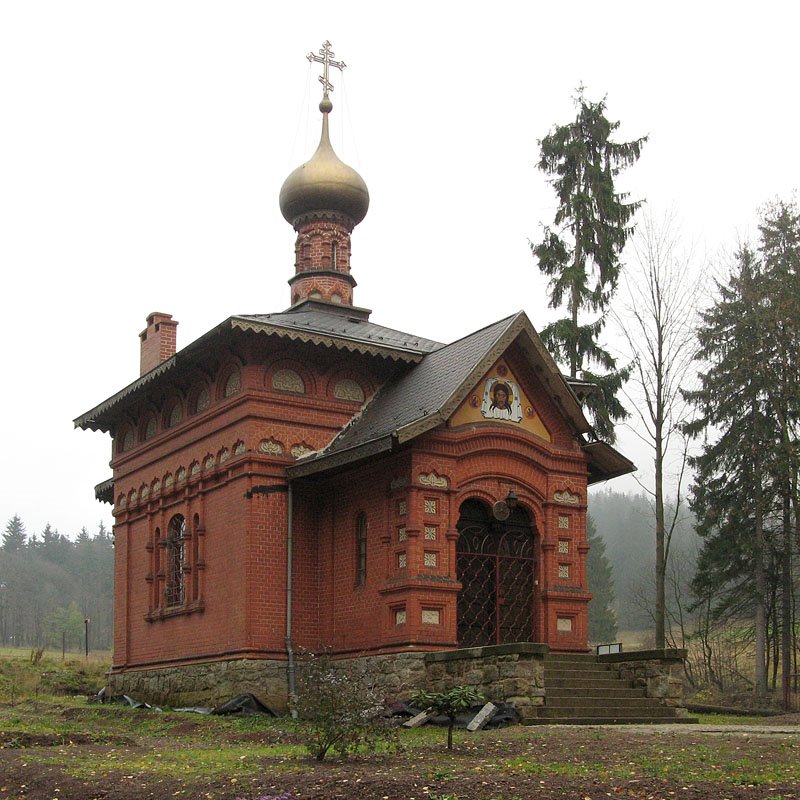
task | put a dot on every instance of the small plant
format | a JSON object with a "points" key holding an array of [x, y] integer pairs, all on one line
{"points": [[450, 703], [338, 706], [441, 775]]}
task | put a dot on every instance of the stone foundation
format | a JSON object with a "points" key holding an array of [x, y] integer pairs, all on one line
{"points": [[659, 672], [511, 673], [207, 684]]}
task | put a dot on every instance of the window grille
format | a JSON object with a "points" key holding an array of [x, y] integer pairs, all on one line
{"points": [[175, 588]]}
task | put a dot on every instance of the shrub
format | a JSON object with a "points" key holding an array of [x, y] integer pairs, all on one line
{"points": [[450, 703], [338, 705]]}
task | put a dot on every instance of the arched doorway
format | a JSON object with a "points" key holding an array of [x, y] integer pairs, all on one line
{"points": [[495, 564]]}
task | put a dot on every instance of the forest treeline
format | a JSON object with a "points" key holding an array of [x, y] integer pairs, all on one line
{"points": [[50, 584]]}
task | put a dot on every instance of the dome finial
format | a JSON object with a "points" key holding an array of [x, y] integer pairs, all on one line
{"points": [[325, 58]]}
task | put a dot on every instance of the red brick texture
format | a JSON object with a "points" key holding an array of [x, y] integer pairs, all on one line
{"points": [[322, 260], [158, 341], [235, 549]]}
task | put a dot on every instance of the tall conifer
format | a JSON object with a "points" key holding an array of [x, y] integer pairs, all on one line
{"points": [[581, 251], [745, 492]]}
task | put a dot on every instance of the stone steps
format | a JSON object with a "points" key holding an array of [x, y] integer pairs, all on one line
{"points": [[582, 691]]}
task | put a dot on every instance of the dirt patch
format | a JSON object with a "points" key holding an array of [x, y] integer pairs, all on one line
{"points": [[18, 739], [544, 763]]}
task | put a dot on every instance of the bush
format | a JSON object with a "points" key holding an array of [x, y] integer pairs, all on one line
{"points": [[338, 705], [450, 703]]}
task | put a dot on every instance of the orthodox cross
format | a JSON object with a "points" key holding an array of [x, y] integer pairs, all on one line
{"points": [[325, 58]]}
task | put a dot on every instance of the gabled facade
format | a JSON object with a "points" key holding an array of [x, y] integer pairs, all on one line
{"points": [[310, 478]]}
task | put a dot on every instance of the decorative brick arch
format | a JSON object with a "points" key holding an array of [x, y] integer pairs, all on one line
{"points": [[229, 379], [309, 384], [173, 411]]}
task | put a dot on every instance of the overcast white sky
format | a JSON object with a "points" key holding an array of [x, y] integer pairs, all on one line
{"points": [[143, 145]]}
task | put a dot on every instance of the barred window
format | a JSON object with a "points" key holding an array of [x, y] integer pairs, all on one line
{"points": [[175, 589], [361, 549]]}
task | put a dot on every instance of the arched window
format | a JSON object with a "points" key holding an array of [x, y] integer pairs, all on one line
{"points": [[361, 549], [174, 590], [233, 384], [150, 427], [200, 399]]}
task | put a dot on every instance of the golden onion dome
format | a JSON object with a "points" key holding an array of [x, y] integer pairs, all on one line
{"points": [[324, 183]]}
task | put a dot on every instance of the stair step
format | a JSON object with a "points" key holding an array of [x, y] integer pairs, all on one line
{"points": [[601, 700], [608, 692], [577, 666], [654, 712], [611, 720], [586, 683], [570, 657]]}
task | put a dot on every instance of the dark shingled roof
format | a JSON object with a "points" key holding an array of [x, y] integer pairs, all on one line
{"points": [[429, 392], [341, 323], [422, 391], [317, 322]]}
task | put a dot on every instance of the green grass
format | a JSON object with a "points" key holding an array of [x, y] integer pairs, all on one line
{"points": [[211, 762], [21, 679], [117, 743]]}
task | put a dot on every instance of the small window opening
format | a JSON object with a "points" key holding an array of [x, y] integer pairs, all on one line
{"points": [[361, 549]]}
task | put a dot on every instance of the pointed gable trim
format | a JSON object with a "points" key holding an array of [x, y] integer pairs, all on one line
{"points": [[427, 395]]}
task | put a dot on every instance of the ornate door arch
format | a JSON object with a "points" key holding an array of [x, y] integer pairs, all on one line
{"points": [[495, 564]]}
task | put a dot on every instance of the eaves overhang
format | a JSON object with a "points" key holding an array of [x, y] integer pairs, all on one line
{"points": [[312, 465], [104, 492], [98, 418], [354, 344], [606, 462]]}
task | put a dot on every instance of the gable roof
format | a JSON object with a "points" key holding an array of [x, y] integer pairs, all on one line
{"points": [[426, 396]]}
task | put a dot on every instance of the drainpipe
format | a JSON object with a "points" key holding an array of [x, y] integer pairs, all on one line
{"points": [[289, 553]]}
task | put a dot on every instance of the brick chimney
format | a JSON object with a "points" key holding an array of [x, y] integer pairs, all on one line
{"points": [[158, 340]]}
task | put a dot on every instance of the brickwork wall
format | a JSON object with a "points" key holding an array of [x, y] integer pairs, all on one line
{"points": [[203, 464]]}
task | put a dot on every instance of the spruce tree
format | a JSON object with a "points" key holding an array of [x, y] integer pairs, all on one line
{"points": [[14, 538], [745, 491], [581, 251], [602, 619]]}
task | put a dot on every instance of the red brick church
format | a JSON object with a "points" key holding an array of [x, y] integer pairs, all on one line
{"points": [[312, 478]]}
